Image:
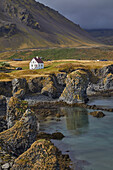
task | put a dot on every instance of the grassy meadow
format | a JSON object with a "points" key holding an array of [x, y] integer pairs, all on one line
{"points": [[62, 53]]}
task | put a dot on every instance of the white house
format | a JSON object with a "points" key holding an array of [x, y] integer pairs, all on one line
{"points": [[36, 63]]}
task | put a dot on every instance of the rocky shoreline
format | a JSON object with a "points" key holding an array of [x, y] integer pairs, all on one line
{"points": [[25, 103]]}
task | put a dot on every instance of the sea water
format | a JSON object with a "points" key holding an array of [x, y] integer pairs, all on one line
{"points": [[88, 140]]}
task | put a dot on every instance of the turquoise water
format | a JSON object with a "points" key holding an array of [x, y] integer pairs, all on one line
{"points": [[88, 140]]}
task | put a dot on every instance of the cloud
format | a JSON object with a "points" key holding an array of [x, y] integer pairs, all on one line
{"points": [[86, 13]]}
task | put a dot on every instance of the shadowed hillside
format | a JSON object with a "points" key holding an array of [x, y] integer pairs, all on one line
{"points": [[29, 24]]}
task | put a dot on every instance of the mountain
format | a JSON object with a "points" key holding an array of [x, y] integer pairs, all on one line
{"points": [[29, 24], [103, 35]]}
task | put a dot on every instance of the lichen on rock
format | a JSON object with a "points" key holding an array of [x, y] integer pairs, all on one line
{"points": [[19, 138]]}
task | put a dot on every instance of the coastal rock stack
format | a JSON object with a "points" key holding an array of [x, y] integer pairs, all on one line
{"points": [[76, 85]]}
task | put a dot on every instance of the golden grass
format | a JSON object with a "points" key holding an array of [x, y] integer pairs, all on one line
{"points": [[54, 66]]}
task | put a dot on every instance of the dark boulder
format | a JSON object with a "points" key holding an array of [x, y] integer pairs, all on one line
{"points": [[97, 114]]}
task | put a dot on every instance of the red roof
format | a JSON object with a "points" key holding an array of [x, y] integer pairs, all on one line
{"points": [[38, 60]]}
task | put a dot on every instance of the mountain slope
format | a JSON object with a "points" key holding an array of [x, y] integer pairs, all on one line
{"points": [[103, 35], [29, 24]]}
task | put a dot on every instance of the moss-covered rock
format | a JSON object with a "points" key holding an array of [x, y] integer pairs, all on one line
{"points": [[42, 155], [15, 110], [76, 85], [19, 138]]}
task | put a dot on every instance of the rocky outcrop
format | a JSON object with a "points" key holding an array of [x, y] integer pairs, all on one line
{"points": [[6, 88], [19, 87], [97, 114], [8, 29], [21, 13], [76, 86], [15, 110], [19, 138], [42, 155]]}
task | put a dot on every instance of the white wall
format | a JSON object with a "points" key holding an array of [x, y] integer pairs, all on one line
{"points": [[34, 65]]}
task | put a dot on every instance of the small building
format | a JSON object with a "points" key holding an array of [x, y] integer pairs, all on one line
{"points": [[17, 59], [36, 63]]}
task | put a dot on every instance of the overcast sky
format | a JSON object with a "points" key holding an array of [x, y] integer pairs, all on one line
{"points": [[86, 13]]}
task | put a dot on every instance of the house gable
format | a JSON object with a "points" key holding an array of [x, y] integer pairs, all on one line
{"points": [[36, 63]]}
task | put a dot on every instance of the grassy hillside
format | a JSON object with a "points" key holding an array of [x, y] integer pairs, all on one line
{"points": [[29, 24]]}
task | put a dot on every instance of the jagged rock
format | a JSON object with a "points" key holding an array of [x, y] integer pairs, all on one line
{"points": [[19, 138], [15, 110], [6, 88], [19, 87], [97, 114], [76, 85], [42, 155], [106, 70]]}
